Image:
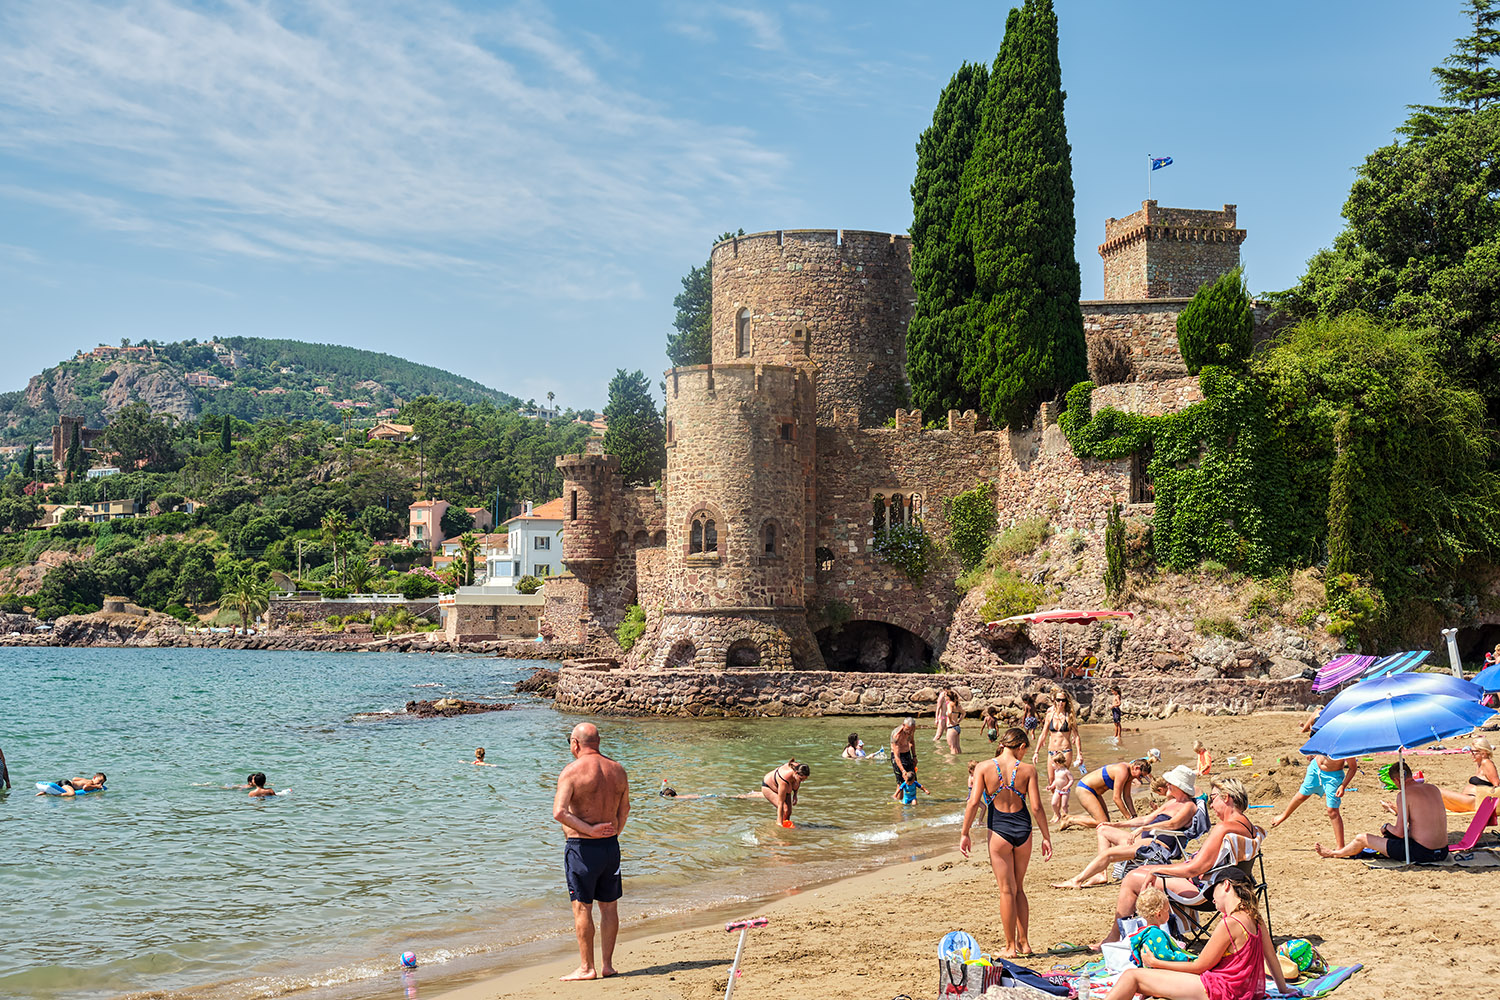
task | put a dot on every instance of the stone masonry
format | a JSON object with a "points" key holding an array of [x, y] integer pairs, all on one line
{"points": [[789, 455]]}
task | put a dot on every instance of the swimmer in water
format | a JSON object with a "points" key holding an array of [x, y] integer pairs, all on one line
{"points": [[4, 774], [479, 760], [72, 786], [257, 784], [779, 787]]}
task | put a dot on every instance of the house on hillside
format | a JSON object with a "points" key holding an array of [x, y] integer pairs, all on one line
{"points": [[203, 380], [536, 539], [388, 431], [425, 526], [493, 549], [482, 519]]}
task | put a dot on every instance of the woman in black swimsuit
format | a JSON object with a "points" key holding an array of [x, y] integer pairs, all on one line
{"points": [[780, 788], [1006, 789]]}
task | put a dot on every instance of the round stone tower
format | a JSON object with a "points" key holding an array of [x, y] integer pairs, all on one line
{"points": [[836, 302], [741, 446], [589, 482]]}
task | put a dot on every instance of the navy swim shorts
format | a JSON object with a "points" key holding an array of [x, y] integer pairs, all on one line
{"points": [[593, 869]]}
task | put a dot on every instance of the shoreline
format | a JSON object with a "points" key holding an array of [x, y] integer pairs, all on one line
{"points": [[874, 933]]}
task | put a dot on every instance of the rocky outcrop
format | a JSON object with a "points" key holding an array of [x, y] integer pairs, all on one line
{"points": [[156, 386], [542, 682], [448, 707]]}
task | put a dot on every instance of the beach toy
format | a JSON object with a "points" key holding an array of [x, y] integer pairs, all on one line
{"points": [[409, 959], [744, 927], [789, 824], [1247, 762], [1303, 955]]}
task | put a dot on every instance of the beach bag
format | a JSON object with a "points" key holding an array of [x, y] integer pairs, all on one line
{"points": [[1304, 956], [960, 981]]}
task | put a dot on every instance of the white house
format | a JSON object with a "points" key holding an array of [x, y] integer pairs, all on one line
{"points": [[535, 541]]}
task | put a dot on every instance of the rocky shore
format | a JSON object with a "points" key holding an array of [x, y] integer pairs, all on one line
{"points": [[154, 630]]}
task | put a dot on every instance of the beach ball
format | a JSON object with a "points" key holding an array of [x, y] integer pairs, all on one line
{"points": [[409, 959]]}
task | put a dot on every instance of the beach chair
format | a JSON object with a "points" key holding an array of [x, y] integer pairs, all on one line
{"points": [[1167, 846], [1484, 815], [1189, 911]]}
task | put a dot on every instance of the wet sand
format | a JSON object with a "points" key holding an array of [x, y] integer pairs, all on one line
{"points": [[1420, 933]]}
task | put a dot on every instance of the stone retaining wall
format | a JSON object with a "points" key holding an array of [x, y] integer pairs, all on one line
{"points": [[281, 612], [823, 692]]}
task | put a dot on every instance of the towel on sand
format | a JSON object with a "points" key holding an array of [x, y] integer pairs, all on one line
{"points": [[1473, 859]]}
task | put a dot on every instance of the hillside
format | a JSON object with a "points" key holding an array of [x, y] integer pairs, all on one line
{"points": [[247, 377]]}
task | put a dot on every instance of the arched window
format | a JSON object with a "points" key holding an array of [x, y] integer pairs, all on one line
{"points": [[771, 542], [878, 513], [703, 536], [742, 333], [898, 510]]}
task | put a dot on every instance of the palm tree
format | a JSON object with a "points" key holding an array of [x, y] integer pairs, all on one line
{"points": [[357, 575], [334, 523], [469, 546], [251, 597], [550, 397]]}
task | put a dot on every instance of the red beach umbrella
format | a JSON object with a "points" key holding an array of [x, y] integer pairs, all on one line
{"points": [[1061, 616]]}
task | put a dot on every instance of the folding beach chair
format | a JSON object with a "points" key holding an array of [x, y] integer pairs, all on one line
{"points": [[1167, 846], [1239, 851], [1484, 815]]}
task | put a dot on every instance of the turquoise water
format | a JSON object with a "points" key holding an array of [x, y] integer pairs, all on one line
{"points": [[389, 839]]}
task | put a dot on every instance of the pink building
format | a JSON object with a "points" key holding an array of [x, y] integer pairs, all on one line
{"points": [[425, 529]]}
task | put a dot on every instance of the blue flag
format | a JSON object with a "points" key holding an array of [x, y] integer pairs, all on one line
{"points": [[1157, 162]]}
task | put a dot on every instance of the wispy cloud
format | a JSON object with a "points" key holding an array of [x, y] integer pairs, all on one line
{"points": [[325, 131], [764, 27]]}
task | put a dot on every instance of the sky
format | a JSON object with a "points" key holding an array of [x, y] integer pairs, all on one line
{"points": [[514, 191]]}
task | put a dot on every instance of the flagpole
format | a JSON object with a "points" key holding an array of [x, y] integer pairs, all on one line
{"points": [[1148, 176]]}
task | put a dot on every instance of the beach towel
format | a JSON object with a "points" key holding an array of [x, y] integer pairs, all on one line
{"points": [[1319, 987], [1473, 859]]}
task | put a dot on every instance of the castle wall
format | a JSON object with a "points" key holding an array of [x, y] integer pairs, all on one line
{"points": [[1035, 474], [1150, 398], [837, 301]]}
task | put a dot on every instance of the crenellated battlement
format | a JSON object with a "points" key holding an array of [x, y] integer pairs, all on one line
{"points": [[793, 239], [1165, 253], [738, 380]]}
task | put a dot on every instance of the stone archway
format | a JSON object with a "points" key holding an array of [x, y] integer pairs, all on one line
{"points": [[743, 653], [681, 655], [873, 647]]}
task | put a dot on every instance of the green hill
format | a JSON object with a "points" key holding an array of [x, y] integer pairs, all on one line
{"points": [[247, 377]]}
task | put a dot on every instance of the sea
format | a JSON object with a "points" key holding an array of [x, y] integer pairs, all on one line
{"points": [[173, 884]]}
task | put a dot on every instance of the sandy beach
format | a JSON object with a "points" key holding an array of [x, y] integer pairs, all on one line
{"points": [[1417, 932]]}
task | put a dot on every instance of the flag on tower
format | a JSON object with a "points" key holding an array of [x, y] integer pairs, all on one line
{"points": [[1157, 162]]}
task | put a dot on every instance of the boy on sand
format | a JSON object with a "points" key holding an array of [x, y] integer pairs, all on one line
{"points": [[907, 790], [1205, 759], [1114, 708], [1152, 906], [1331, 778]]}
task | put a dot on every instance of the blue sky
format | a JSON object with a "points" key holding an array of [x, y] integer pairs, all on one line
{"points": [[513, 191]]}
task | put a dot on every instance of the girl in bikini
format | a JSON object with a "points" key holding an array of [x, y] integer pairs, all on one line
{"points": [[1117, 780], [1232, 966], [953, 718], [1060, 730], [1009, 792], [780, 788]]}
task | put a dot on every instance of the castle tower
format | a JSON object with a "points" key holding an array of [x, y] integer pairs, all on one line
{"points": [[1165, 253], [835, 302], [589, 481], [741, 447]]}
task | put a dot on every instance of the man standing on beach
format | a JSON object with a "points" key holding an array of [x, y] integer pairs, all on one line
{"points": [[592, 804], [904, 749]]}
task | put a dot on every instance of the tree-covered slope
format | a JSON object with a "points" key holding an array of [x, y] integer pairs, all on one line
{"points": [[246, 377]]}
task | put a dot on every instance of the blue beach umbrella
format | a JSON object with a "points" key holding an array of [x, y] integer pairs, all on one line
{"points": [[1488, 679], [1396, 722], [1382, 687]]}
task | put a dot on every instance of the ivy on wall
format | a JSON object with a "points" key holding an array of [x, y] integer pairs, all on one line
{"points": [[971, 520]]}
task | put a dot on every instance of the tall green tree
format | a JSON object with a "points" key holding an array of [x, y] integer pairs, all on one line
{"points": [[250, 597], [942, 262], [141, 437], [635, 435], [1468, 79], [468, 545], [1018, 205], [77, 463], [30, 470], [226, 436], [1218, 326], [692, 344]]}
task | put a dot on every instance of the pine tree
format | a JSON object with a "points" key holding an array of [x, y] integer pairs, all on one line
{"points": [[1469, 80], [942, 265], [226, 436], [1218, 326], [635, 435], [693, 342], [1019, 203]]}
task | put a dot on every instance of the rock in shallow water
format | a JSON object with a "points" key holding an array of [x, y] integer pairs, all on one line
{"points": [[452, 706]]}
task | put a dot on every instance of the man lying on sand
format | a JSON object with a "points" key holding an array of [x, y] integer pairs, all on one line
{"points": [[1428, 823]]}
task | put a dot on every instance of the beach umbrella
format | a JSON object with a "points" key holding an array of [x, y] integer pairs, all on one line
{"points": [[1340, 669], [1381, 687], [1397, 663], [1061, 616], [1488, 679], [1396, 722]]}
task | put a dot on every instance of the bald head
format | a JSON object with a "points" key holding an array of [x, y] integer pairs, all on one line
{"points": [[587, 734]]}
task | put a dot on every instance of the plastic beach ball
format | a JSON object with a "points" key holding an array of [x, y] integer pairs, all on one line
{"points": [[409, 959]]}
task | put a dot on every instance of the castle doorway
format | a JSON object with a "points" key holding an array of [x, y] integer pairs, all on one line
{"points": [[873, 647], [681, 655], [743, 653]]}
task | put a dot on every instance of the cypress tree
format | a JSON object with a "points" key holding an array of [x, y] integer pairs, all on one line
{"points": [[635, 435], [1218, 326], [942, 265], [1019, 198], [31, 462], [1114, 551], [226, 436], [75, 463]]}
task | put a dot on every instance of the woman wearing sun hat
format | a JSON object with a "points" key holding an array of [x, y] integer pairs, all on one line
{"points": [[1120, 841]]}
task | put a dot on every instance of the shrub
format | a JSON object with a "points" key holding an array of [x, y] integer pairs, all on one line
{"points": [[181, 613], [415, 586], [1109, 361], [907, 547], [1021, 539], [1220, 625], [631, 628], [1008, 594], [528, 585], [1218, 325], [971, 523]]}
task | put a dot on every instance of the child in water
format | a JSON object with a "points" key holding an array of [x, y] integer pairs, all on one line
{"points": [[258, 787], [990, 722], [71, 786], [479, 760], [907, 790], [855, 749], [1061, 787]]}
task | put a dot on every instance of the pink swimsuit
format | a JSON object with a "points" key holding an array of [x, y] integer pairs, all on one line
{"points": [[1240, 976]]}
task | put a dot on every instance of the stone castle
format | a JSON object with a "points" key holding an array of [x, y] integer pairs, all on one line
{"points": [[757, 551]]}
